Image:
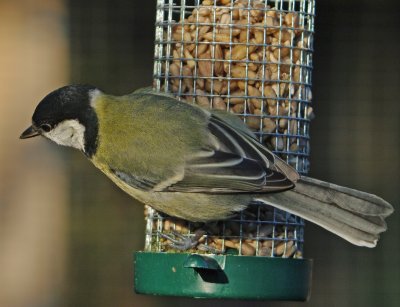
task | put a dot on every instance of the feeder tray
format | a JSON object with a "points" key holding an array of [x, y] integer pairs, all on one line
{"points": [[252, 58], [222, 276]]}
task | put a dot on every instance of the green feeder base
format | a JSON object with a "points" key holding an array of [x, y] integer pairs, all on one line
{"points": [[222, 276]]}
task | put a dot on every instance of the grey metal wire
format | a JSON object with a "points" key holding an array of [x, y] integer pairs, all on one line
{"points": [[278, 56]]}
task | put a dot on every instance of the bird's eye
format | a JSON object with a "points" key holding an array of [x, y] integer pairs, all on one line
{"points": [[45, 127]]}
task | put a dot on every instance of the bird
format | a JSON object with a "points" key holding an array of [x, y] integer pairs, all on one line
{"points": [[196, 164]]}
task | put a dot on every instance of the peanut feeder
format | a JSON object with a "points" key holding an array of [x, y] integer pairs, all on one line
{"points": [[252, 58]]}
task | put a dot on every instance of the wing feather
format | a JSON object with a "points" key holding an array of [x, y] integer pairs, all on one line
{"points": [[236, 163]]}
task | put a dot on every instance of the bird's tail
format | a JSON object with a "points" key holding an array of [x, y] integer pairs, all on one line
{"points": [[356, 216]]}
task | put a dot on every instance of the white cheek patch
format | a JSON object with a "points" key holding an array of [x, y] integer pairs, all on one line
{"points": [[68, 133]]}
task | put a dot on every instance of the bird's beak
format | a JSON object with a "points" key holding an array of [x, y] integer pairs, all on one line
{"points": [[29, 133]]}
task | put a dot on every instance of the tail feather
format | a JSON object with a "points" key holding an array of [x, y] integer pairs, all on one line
{"points": [[349, 199], [357, 217]]}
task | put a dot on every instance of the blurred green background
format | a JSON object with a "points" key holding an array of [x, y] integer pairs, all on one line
{"points": [[67, 234]]}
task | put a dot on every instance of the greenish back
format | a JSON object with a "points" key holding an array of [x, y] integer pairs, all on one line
{"points": [[148, 132]]}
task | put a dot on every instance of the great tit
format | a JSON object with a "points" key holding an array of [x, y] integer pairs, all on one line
{"points": [[196, 164]]}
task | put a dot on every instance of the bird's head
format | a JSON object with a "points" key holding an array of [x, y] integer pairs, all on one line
{"points": [[66, 116]]}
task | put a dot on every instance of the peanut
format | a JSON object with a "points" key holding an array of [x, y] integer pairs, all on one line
{"points": [[218, 103], [205, 66], [269, 125]]}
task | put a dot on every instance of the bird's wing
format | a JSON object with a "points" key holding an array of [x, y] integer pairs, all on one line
{"points": [[221, 156], [235, 163]]}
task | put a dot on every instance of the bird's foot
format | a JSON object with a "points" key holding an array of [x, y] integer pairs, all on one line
{"points": [[181, 242]]}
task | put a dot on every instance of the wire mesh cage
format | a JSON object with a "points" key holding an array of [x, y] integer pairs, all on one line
{"points": [[252, 58]]}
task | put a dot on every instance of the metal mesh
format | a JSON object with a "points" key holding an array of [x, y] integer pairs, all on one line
{"points": [[257, 231], [252, 58]]}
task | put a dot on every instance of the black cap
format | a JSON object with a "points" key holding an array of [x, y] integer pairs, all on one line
{"points": [[68, 102]]}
